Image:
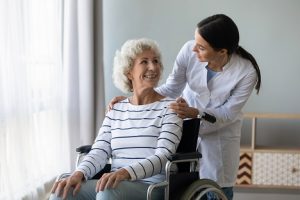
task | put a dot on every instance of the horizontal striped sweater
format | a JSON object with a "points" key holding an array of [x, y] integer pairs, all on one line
{"points": [[138, 138]]}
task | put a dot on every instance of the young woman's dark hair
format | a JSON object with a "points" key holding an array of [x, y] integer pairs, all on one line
{"points": [[221, 32]]}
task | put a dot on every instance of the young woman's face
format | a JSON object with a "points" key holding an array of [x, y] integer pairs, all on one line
{"points": [[204, 51], [146, 71]]}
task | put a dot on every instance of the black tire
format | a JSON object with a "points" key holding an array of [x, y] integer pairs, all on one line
{"points": [[199, 187]]}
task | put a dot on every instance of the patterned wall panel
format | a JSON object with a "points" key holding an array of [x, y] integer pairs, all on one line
{"points": [[245, 169], [277, 169]]}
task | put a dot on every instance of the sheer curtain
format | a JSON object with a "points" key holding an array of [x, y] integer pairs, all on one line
{"points": [[47, 91], [83, 93], [79, 76], [31, 123]]}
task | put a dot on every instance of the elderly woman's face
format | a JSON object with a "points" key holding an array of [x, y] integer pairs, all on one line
{"points": [[146, 70]]}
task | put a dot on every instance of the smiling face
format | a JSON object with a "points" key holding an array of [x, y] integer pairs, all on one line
{"points": [[205, 52], [202, 48], [146, 71]]}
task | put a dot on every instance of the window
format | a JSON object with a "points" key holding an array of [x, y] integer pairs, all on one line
{"points": [[33, 139]]}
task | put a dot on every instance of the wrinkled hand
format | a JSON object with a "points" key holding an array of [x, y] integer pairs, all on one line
{"points": [[182, 109], [111, 180], [62, 187], [115, 100]]}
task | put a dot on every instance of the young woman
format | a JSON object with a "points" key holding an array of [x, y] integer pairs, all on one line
{"points": [[215, 76]]}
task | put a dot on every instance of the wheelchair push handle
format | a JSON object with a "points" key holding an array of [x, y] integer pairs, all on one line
{"points": [[84, 149]]}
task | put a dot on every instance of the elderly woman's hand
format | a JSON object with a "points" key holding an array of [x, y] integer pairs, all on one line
{"points": [[62, 187], [183, 110], [111, 180]]}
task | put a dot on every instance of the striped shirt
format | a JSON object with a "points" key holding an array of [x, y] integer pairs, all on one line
{"points": [[138, 138]]}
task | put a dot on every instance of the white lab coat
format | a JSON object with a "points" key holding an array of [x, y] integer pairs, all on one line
{"points": [[224, 97]]}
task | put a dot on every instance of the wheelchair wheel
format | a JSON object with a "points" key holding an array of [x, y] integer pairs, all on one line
{"points": [[198, 189]]}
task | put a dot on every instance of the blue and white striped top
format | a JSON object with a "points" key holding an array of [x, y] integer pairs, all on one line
{"points": [[138, 138]]}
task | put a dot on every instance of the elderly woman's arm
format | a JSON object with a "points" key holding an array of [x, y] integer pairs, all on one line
{"points": [[100, 152]]}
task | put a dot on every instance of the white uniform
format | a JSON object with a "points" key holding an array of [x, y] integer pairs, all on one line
{"points": [[224, 97]]}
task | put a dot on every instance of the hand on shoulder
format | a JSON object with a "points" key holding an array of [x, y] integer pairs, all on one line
{"points": [[114, 101]]}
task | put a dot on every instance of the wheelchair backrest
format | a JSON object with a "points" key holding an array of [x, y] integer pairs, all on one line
{"points": [[189, 137]]}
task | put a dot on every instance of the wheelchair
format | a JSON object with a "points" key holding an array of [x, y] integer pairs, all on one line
{"points": [[183, 183]]}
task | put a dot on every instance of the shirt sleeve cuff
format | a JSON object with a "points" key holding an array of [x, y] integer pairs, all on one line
{"points": [[85, 177], [200, 114], [131, 173]]}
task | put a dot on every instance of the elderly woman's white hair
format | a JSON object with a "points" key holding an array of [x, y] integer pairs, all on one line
{"points": [[123, 60]]}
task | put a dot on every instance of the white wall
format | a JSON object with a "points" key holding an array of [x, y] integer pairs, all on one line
{"points": [[269, 29]]}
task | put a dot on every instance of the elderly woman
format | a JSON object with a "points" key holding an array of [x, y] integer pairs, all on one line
{"points": [[138, 133]]}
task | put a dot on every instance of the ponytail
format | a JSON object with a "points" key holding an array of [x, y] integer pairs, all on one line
{"points": [[221, 32], [245, 54]]}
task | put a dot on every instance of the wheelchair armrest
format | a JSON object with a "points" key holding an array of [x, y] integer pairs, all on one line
{"points": [[184, 156], [84, 149]]}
